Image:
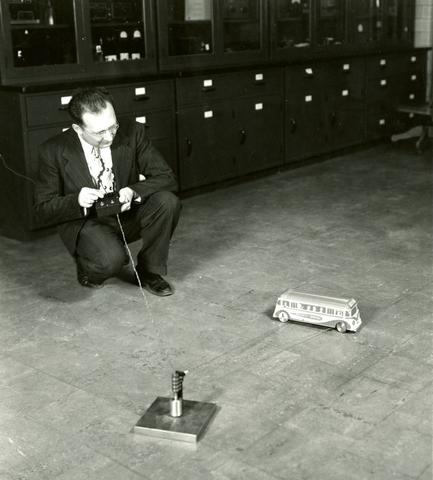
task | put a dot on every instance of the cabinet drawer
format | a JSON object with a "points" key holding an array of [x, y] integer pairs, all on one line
{"points": [[379, 122], [382, 66], [344, 72], [382, 90], [412, 62], [142, 95], [260, 82], [304, 78], [208, 88], [45, 109]]}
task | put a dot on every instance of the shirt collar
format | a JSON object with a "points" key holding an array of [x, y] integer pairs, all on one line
{"points": [[89, 148]]}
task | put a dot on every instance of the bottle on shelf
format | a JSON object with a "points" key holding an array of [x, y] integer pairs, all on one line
{"points": [[136, 45], [22, 51], [49, 13], [98, 53], [123, 45], [110, 49]]}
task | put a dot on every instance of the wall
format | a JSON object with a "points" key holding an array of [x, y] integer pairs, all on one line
{"points": [[424, 34]]}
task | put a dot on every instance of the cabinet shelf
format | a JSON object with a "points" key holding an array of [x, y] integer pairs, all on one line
{"points": [[189, 22], [290, 20], [116, 24], [241, 21], [40, 26]]}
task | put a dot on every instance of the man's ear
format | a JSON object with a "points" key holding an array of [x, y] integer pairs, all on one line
{"points": [[77, 128]]}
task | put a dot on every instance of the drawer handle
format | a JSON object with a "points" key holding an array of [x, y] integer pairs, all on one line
{"points": [[208, 89], [141, 98], [259, 82], [293, 125], [188, 147], [63, 108], [243, 136]]}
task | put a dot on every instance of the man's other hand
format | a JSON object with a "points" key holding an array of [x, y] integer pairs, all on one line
{"points": [[126, 195], [88, 196]]}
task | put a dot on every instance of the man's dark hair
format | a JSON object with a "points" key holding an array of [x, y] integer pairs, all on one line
{"points": [[88, 100]]}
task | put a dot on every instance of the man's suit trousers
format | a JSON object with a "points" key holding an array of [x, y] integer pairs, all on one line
{"points": [[101, 252]]}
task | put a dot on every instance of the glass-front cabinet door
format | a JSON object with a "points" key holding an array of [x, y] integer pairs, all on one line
{"points": [[243, 30], [51, 41], [39, 39], [359, 22], [377, 17], [291, 23], [186, 32], [121, 36], [199, 33], [331, 22], [399, 21]]}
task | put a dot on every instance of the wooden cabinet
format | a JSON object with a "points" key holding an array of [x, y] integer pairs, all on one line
{"points": [[291, 28], [204, 33], [392, 79], [305, 127], [152, 104], [44, 42], [380, 22], [225, 88], [302, 28], [229, 125], [324, 107]]}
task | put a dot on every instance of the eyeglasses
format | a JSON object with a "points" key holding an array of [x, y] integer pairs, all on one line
{"points": [[112, 130]]}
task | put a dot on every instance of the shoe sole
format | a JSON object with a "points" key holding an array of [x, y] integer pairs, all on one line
{"points": [[153, 292]]}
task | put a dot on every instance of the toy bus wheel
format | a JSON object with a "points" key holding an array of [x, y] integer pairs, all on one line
{"points": [[341, 327], [283, 317]]}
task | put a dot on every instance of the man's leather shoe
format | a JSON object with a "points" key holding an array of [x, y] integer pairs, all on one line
{"points": [[155, 284], [83, 279]]}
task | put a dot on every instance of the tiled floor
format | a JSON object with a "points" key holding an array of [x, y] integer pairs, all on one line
{"points": [[78, 368]]}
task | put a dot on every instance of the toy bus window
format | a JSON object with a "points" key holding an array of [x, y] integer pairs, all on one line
{"points": [[286, 303], [318, 309], [323, 310], [293, 304], [330, 311], [347, 314], [339, 313]]}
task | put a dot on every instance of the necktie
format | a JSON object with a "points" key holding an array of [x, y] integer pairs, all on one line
{"points": [[101, 166]]}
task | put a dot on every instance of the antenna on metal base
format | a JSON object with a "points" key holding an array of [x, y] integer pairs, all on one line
{"points": [[176, 418]]}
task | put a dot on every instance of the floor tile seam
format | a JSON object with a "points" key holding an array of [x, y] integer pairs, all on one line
{"points": [[382, 464], [77, 388], [50, 375], [30, 463], [429, 467], [348, 378], [397, 410], [397, 352], [269, 474], [102, 453], [402, 386], [249, 342]]}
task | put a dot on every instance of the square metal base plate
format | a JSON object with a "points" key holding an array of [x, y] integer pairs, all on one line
{"points": [[157, 422]]}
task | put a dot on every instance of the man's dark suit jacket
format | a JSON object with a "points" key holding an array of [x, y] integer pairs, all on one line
{"points": [[63, 171]]}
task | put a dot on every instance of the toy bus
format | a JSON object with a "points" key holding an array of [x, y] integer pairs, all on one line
{"points": [[339, 313]]}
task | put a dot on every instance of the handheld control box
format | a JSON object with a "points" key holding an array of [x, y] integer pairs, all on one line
{"points": [[108, 205]]}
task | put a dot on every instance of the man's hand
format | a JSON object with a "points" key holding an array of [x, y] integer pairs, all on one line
{"points": [[126, 195], [88, 196]]}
